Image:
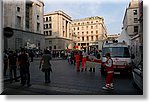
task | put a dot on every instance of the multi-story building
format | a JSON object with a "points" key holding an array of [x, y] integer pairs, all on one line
{"points": [[137, 40], [25, 17], [111, 37], [89, 31], [57, 31], [133, 24], [130, 21]]}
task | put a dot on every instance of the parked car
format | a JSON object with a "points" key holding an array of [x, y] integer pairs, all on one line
{"points": [[138, 75]]}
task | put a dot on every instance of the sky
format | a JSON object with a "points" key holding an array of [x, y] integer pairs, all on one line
{"points": [[112, 10]]}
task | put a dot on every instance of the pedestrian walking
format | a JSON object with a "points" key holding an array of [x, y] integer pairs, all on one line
{"points": [[77, 57], [45, 65], [23, 60], [110, 73], [12, 66]]}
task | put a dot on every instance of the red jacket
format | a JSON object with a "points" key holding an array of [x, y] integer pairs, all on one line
{"points": [[77, 57]]}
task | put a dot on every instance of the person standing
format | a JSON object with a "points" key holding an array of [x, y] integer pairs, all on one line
{"points": [[84, 55], [110, 73], [5, 62], [31, 54], [77, 57], [23, 60], [12, 65], [45, 65]]}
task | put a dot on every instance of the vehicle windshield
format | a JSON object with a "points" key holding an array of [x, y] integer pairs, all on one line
{"points": [[116, 51]]}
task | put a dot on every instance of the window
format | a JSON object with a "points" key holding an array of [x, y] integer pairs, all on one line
{"points": [[91, 27], [74, 28], [135, 20], [116, 51], [78, 28], [135, 28], [87, 32], [96, 31], [82, 33], [91, 21], [96, 37], [46, 18], [91, 38], [18, 23], [37, 17], [50, 25], [18, 9], [50, 33], [46, 33], [82, 38], [135, 12], [50, 19], [46, 26], [91, 32]]}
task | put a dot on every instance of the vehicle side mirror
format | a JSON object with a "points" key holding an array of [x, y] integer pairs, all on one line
{"points": [[132, 56]]}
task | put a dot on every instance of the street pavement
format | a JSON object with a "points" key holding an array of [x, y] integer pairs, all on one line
{"points": [[66, 81]]}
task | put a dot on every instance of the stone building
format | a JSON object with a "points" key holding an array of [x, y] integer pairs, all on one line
{"points": [[25, 17], [133, 24], [130, 21], [57, 31], [89, 31], [111, 37]]}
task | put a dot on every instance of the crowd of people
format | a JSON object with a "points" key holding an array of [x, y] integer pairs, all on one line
{"points": [[18, 60], [21, 59]]}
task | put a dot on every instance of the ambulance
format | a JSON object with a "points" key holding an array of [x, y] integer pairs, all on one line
{"points": [[120, 54]]}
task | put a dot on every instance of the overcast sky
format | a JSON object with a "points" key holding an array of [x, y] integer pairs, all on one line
{"points": [[112, 10]]}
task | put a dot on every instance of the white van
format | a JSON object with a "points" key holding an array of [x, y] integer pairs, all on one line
{"points": [[120, 54]]}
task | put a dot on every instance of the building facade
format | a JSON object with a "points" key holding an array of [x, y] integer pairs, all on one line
{"points": [[133, 25], [130, 21], [111, 37], [57, 31], [137, 40], [89, 31], [25, 17]]}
